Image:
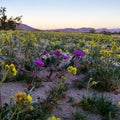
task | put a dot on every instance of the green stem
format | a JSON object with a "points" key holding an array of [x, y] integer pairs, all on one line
{"points": [[0, 98], [110, 118], [13, 114], [3, 79], [88, 86]]}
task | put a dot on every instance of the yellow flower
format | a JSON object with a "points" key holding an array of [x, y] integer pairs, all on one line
{"points": [[12, 66], [92, 43], [23, 97], [106, 52], [119, 103], [103, 47], [29, 98], [86, 51], [11, 97], [52, 43], [94, 83], [14, 71], [114, 48], [20, 97], [118, 56], [69, 69], [7, 66], [53, 118], [31, 107], [74, 70]]}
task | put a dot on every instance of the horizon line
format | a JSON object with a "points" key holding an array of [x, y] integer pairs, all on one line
{"points": [[57, 28]]}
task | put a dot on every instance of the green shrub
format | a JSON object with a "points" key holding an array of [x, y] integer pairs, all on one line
{"points": [[101, 105]]}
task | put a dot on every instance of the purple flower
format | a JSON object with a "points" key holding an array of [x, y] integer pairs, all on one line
{"points": [[57, 53], [78, 53], [39, 62], [44, 52], [66, 57]]}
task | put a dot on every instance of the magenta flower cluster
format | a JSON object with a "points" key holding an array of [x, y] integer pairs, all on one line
{"points": [[66, 57], [78, 53], [44, 52], [57, 53], [39, 62]]}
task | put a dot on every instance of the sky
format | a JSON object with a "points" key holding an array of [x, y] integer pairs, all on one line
{"points": [[54, 14]]}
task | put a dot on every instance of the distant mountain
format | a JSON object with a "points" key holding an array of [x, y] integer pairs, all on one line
{"points": [[76, 30], [108, 30], [73, 29], [25, 27], [84, 29]]}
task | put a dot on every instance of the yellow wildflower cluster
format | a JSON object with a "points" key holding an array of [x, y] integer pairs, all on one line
{"points": [[114, 48], [72, 70], [106, 52], [53, 118], [93, 44], [12, 68], [86, 51], [23, 98]]}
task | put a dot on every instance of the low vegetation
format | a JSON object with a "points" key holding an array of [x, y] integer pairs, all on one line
{"points": [[37, 57]]}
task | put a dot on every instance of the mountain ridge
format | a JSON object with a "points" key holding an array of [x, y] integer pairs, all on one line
{"points": [[82, 29], [25, 27]]}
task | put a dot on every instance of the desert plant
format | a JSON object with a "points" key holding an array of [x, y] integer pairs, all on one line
{"points": [[79, 115], [101, 105], [18, 106], [107, 76], [5, 71]]}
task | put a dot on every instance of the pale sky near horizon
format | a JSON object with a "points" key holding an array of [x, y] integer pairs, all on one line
{"points": [[51, 14]]}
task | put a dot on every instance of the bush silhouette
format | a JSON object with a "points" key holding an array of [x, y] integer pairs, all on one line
{"points": [[8, 24]]}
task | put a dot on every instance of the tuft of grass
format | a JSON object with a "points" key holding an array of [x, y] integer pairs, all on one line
{"points": [[107, 76], [79, 115], [100, 105], [88, 103]]}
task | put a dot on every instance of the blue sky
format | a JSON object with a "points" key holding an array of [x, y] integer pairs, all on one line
{"points": [[50, 14]]}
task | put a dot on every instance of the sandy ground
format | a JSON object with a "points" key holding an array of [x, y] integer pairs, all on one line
{"points": [[64, 109]]}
